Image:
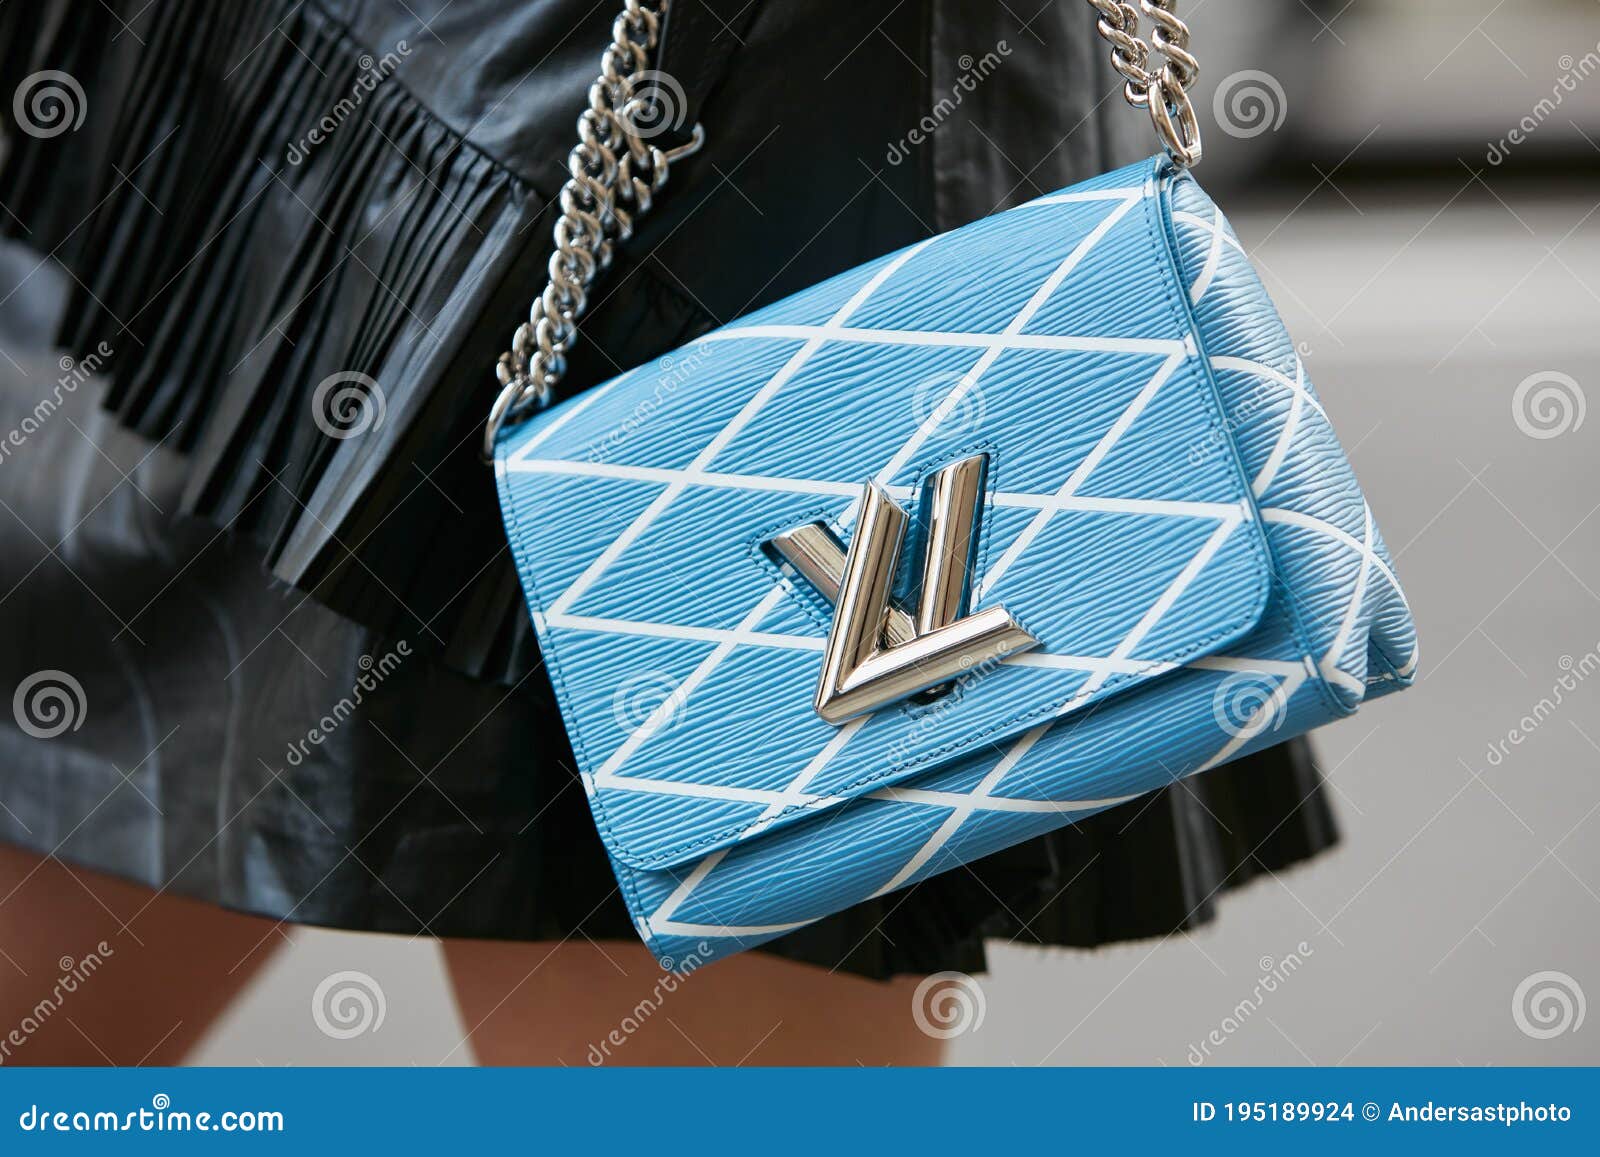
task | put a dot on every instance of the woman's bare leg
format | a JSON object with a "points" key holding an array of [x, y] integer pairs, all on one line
{"points": [[582, 1003], [95, 970]]}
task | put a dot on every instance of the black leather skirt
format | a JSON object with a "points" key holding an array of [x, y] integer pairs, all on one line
{"points": [[299, 669]]}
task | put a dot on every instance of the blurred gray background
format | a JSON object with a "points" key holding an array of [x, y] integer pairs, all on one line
{"points": [[1443, 278], [1430, 265]]}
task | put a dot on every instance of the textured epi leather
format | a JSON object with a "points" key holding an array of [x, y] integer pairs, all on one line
{"points": [[1167, 509]]}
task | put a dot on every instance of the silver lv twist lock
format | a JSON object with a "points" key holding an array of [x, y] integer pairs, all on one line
{"points": [[876, 652]]}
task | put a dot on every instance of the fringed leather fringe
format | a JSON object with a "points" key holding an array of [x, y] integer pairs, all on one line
{"points": [[291, 261]]}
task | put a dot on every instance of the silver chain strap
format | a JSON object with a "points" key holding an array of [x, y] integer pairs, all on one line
{"points": [[615, 172], [1164, 90]]}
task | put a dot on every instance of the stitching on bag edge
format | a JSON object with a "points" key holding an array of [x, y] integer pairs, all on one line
{"points": [[553, 661], [1291, 612], [1396, 592]]}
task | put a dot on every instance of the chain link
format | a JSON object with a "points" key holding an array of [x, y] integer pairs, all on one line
{"points": [[614, 173], [1164, 90]]}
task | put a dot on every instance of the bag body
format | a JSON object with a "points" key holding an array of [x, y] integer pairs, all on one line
{"points": [[1165, 509]]}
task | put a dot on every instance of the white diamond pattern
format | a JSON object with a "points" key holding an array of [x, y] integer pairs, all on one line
{"points": [[961, 805]]}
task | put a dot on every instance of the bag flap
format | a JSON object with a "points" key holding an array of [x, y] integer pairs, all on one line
{"points": [[1117, 526]]}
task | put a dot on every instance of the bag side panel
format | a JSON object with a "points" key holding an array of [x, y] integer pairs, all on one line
{"points": [[1336, 629]]}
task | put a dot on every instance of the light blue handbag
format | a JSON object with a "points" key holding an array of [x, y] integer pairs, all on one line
{"points": [[1085, 522]]}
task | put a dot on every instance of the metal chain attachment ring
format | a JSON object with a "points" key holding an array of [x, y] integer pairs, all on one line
{"points": [[1164, 90], [614, 173]]}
